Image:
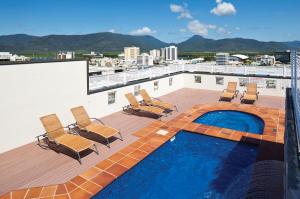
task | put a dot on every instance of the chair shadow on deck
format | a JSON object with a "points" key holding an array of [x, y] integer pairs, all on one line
{"points": [[46, 145], [140, 114], [227, 173], [96, 138]]}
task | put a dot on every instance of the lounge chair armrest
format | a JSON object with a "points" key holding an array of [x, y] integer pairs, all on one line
{"points": [[98, 120], [237, 92], [41, 136], [70, 126], [156, 98]]}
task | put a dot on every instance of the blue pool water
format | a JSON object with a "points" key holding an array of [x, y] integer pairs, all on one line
{"points": [[235, 120], [191, 166]]}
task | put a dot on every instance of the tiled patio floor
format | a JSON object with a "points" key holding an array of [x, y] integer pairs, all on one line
{"points": [[31, 166]]}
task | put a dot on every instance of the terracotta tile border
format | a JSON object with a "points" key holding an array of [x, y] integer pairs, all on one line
{"points": [[96, 178]]}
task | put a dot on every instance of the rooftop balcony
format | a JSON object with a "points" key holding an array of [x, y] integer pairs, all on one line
{"points": [[36, 89]]}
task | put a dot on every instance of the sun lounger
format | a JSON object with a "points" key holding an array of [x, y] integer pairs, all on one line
{"points": [[251, 93], [230, 92], [56, 133], [84, 122], [134, 105], [155, 102]]}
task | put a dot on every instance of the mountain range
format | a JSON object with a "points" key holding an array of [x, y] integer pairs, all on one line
{"points": [[113, 42]]}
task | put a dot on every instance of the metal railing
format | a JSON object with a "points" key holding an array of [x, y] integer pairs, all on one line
{"points": [[295, 83], [102, 81]]}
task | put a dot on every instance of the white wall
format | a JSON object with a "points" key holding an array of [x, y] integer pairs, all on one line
{"points": [[29, 91], [209, 82]]}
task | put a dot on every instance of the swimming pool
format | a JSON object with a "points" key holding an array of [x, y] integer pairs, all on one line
{"points": [[235, 120], [191, 166]]}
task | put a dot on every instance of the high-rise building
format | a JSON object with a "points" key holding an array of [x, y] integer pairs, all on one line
{"points": [[131, 53], [155, 54], [163, 53], [171, 53], [145, 60], [222, 58]]}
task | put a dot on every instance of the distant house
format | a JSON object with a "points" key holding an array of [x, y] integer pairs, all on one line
{"points": [[266, 60], [5, 56], [62, 55]]}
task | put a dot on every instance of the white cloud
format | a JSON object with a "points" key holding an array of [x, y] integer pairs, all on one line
{"points": [[218, 1], [182, 30], [237, 28], [210, 26], [143, 31], [223, 8], [112, 30], [222, 30], [197, 28], [182, 10], [176, 8]]}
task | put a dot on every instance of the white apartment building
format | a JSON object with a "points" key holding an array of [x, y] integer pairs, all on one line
{"points": [[145, 60], [65, 55], [222, 58], [266, 60], [171, 53], [5, 56], [155, 54], [131, 53], [19, 58]]}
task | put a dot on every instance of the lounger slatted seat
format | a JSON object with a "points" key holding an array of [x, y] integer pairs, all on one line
{"points": [[230, 92], [155, 102], [134, 105], [56, 133], [84, 122], [251, 93]]}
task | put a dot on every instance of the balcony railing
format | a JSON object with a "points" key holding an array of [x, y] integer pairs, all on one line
{"points": [[102, 81], [295, 76]]}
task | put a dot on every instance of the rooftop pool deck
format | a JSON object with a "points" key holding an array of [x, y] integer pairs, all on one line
{"points": [[55, 174]]}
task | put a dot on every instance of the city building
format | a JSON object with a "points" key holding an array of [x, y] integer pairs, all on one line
{"points": [[93, 55], [121, 56], [171, 53], [16, 57], [145, 59], [266, 60], [5, 56], [131, 53], [156, 55], [222, 58], [283, 56], [62, 55]]}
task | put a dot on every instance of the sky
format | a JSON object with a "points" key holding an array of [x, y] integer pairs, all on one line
{"points": [[167, 20]]}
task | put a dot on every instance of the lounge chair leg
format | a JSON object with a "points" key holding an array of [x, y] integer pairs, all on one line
{"points": [[121, 137], [107, 142], [96, 149], [176, 108], [79, 159]]}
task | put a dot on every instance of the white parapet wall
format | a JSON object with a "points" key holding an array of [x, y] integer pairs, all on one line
{"points": [[266, 86], [29, 91]]}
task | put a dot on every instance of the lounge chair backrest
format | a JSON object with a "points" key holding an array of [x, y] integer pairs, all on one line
{"points": [[231, 87], [252, 88], [145, 96], [132, 100], [53, 126], [81, 116]]}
